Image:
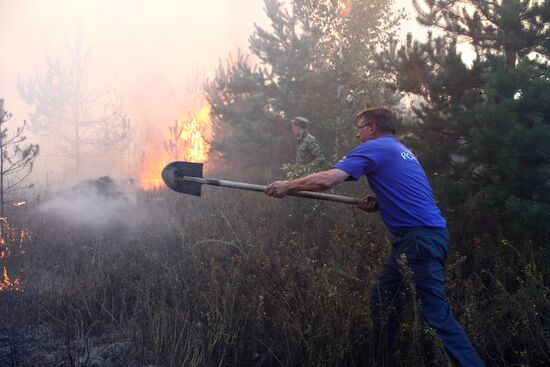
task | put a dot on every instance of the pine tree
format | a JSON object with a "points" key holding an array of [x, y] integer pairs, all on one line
{"points": [[509, 148], [16, 161], [246, 127], [482, 130], [316, 61], [67, 110]]}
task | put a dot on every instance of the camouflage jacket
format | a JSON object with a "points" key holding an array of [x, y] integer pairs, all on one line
{"points": [[309, 151]]}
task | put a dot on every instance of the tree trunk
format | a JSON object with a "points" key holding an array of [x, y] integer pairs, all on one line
{"points": [[2, 113], [77, 149], [511, 57]]}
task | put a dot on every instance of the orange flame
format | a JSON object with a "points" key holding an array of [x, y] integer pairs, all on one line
{"points": [[149, 177], [7, 284], [345, 7], [11, 238], [188, 142]]}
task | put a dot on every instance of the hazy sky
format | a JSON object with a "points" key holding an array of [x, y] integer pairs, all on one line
{"points": [[144, 49]]}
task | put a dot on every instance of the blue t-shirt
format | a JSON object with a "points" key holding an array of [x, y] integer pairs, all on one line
{"points": [[394, 174]]}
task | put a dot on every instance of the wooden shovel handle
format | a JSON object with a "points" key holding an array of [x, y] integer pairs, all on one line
{"points": [[261, 188]]}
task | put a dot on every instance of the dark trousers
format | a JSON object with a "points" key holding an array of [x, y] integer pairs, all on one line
{"points": [[425, 250]]}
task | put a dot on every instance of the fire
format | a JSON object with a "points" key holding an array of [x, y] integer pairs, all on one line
{"points": [[4, 251], [345, 7], [11, 239], [194, 134], [149, 177], [188, 141], [6, 284]]}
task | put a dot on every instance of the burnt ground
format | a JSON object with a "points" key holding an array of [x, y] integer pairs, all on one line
{"points": [[28, 343]]}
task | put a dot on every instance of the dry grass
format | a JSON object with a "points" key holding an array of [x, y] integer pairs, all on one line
{"points": [[238, 279]]}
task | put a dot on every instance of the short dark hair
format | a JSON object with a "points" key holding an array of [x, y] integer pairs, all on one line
{"points": [[380, 116], [300, 121]]}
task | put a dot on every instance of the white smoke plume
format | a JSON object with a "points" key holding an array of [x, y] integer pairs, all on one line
{"points": [[100, 203]]}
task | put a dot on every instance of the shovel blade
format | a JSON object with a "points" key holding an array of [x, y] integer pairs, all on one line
{"points": [[174, 173]]}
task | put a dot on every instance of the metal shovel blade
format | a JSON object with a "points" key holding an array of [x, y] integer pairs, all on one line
{"points": [[186, 177], [174, 177]]}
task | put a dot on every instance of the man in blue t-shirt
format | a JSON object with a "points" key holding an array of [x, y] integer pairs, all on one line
{"points": [[407, 206]]}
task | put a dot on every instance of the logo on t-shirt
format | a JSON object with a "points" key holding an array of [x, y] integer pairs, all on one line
{"points": [[407, 155]]}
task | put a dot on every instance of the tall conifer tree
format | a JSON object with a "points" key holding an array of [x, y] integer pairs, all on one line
{"points": [[317, 60], [482, 130]]}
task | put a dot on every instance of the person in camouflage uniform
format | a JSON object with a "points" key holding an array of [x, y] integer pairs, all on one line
{"points": [[309, 152]]}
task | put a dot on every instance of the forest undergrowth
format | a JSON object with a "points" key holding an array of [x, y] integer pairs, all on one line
{"points": [[239, 279]]}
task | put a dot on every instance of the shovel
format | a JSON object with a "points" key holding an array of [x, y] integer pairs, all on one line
{"points": [[186, 178]]}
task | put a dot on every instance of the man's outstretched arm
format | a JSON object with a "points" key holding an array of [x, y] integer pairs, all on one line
{"points": [[319, 181]]}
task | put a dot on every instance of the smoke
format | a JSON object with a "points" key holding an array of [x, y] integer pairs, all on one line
{"points": [[101, 204], [154, 55]]}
